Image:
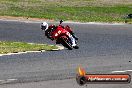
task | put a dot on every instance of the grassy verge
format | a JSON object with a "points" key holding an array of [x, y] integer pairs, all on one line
{"points": [[13, 47], [76, 10]]}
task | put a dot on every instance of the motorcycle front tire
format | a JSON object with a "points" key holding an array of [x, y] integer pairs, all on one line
{"points": [[65, 42]]}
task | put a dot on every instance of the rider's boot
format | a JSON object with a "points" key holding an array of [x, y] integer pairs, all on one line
{"points": [[74, 45], [74, 36]]}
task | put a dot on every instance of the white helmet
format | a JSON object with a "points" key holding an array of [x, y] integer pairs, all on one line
{"points": [[44, 26]]}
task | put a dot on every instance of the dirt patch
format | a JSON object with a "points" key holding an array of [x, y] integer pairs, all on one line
{"points": [[114, 2], [25, 18]]}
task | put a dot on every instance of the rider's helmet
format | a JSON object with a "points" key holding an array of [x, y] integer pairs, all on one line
{"points": [[44, 26]]}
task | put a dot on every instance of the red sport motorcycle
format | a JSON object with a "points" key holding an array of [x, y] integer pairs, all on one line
{"points": [[62, 36]]}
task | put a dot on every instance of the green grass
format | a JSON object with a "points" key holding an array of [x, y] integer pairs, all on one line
{"points": [[75, 10], [13, 47]]}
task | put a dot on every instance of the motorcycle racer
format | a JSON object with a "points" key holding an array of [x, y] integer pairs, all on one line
{"points": [[49, 29]]}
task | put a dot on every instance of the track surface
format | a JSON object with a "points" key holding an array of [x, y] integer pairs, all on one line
{"points": [[103, 49]]}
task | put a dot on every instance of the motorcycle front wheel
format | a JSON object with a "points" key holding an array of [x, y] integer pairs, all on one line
{"points": [[66, 43]]}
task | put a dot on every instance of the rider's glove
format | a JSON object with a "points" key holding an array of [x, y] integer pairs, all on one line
{"points": [[50, 38]]}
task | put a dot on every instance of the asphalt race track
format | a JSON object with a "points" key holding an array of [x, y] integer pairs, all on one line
{"points": [[103, 49]]}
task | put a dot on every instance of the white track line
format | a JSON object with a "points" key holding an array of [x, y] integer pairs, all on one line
{"points": [[39, 21], [121, 71], [95, 23], [129, 70], [7, 81], [118, 71], [19, 53]]}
